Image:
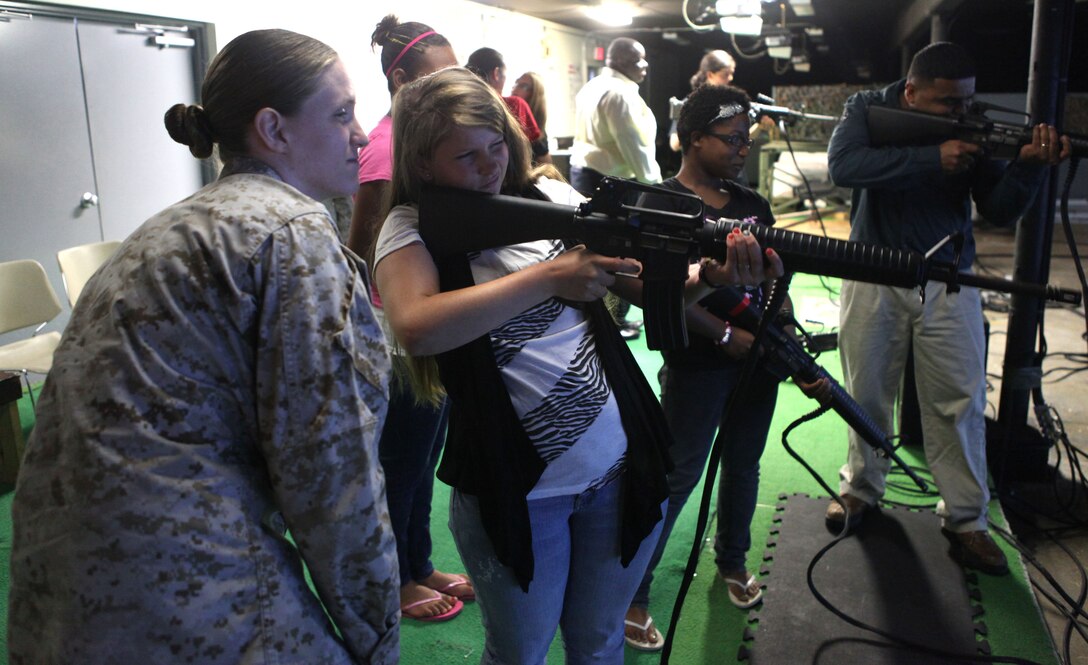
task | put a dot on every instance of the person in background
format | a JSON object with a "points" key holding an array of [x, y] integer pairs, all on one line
{"points": [[910, 198], [487, 63], [717, 67], [221, 386], [415, 430], [530, 87], [409, 50], [556, 451], [697, 381], [615, 135], [614, 129]]}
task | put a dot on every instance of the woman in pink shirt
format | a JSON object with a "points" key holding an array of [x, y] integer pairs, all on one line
{"points": [[415, 431]]}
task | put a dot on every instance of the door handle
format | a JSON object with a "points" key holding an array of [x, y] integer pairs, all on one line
{"points": [[88, 200]]}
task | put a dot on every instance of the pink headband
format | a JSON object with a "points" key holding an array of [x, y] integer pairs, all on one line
{"points": [[405, 50]]}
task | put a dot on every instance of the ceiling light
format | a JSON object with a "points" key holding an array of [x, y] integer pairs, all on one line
{"points": [[740, 17], [612, 14], [802, 7]]}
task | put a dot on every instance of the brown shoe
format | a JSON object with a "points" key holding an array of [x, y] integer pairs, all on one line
{"points": [[855, 511], [976, 549]]}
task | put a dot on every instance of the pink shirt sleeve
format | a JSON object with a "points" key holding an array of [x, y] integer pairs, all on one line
{"points": [[376, 159]]}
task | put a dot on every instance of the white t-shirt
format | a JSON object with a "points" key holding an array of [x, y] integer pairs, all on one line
{"points": [[548, 361]]}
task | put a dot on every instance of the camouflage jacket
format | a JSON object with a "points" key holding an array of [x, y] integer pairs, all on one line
{"points": [[222, 378]]}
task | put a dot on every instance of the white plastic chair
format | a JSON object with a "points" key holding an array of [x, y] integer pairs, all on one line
{"points": [[77, 264], [27, 299]]}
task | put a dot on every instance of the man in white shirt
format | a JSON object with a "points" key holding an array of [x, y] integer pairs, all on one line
{"points": [[614, 130]]}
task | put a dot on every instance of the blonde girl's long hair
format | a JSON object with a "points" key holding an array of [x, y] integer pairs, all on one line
{"points": [[425, 112]]}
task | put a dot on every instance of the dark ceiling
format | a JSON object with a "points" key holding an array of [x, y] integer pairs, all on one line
{"points": [[863, 40]]}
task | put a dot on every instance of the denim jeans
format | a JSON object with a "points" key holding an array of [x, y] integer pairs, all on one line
{"points": [[694, 400], [578, 583], [411, 443]]}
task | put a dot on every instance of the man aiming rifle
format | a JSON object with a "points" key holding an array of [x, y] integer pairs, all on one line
{"points": [[910, 198]]}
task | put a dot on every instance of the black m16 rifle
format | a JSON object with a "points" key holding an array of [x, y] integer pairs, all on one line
{"points": [[786, 351], [454, 221], [889, 126]]}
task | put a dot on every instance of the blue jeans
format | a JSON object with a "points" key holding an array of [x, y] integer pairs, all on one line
{"points": [[578, 583], [694, 400], [411, 443]]}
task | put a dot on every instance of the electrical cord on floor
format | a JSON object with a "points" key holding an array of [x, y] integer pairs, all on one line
{"points": [[1025, 512], [894, 641], [1069, 607]]}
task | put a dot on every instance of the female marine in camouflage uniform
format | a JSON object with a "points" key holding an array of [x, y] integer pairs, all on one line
{"points": [[222, 380]]}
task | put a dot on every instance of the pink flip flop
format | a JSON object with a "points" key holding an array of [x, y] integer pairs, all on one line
{"points": [[445, 616], [459, 580]]}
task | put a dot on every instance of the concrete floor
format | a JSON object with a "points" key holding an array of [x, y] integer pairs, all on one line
{"points": [[1068, 397]]}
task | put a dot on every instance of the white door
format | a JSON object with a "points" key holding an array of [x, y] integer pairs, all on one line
{"points": [[84, 155], [45, 155], [129, 85]]}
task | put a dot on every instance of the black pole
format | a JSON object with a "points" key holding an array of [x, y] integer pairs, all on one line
{"points": [[1051, 42]]}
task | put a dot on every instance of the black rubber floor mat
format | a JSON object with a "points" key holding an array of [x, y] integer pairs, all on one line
{"points": [[894, 574]]}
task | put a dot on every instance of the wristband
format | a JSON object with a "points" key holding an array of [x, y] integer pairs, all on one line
{"points": [[726, 336]]}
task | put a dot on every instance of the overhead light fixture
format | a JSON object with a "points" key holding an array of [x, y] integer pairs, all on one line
{"points": [[740, 17], [779, 45], [802, 7], [612, 14]]}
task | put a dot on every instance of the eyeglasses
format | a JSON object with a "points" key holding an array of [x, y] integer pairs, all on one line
{"points": [[734, 140]]}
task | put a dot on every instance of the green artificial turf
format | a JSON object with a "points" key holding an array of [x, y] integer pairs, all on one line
{"points": [[710, 628]]}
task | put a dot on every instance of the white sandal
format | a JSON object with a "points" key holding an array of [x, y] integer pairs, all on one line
{"points": [[739, 601], [639, 645]]}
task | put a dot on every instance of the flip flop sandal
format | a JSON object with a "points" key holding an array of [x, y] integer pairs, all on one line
{"points": [[445, 616], [739, 601], [459, 581], [639, 645]]}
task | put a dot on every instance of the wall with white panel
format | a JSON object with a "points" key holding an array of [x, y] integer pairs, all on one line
{"points": [[555, 52]]}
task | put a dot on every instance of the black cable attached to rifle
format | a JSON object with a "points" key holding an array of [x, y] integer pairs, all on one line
{"points": [[774, 303]]}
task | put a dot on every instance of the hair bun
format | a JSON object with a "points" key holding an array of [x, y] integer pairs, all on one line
{"points": [[384, 30], [189, 125]]}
